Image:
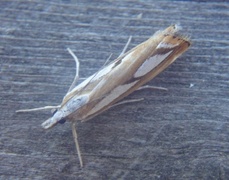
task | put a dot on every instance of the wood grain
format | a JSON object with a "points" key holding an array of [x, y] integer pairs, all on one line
{"points": [[179, 134]]}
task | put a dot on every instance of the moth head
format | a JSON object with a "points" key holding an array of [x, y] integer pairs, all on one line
{"points": [[54, 120], [62, 121]]}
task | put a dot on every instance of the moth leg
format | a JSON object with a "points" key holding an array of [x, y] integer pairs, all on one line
{"points": [[76, 143], [108, 59], [38, 109], [140, 99], [127, 101], [77, 69], [126, 46], [151, 87]]}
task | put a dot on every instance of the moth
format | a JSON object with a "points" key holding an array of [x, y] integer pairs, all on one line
{"points": [[117, 79]]}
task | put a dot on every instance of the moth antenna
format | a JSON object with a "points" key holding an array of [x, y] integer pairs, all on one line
{"points": [[77, 69], [76, 143], [38, 109], [126, 46]]}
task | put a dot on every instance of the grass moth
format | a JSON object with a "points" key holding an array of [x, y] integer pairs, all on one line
{"points": [[116, 80]]}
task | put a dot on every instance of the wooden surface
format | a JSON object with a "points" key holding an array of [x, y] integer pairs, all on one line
{"points": [[179, 134]]}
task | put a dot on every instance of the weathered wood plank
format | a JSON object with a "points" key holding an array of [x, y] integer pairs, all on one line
{"points": [[179, 134]]}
